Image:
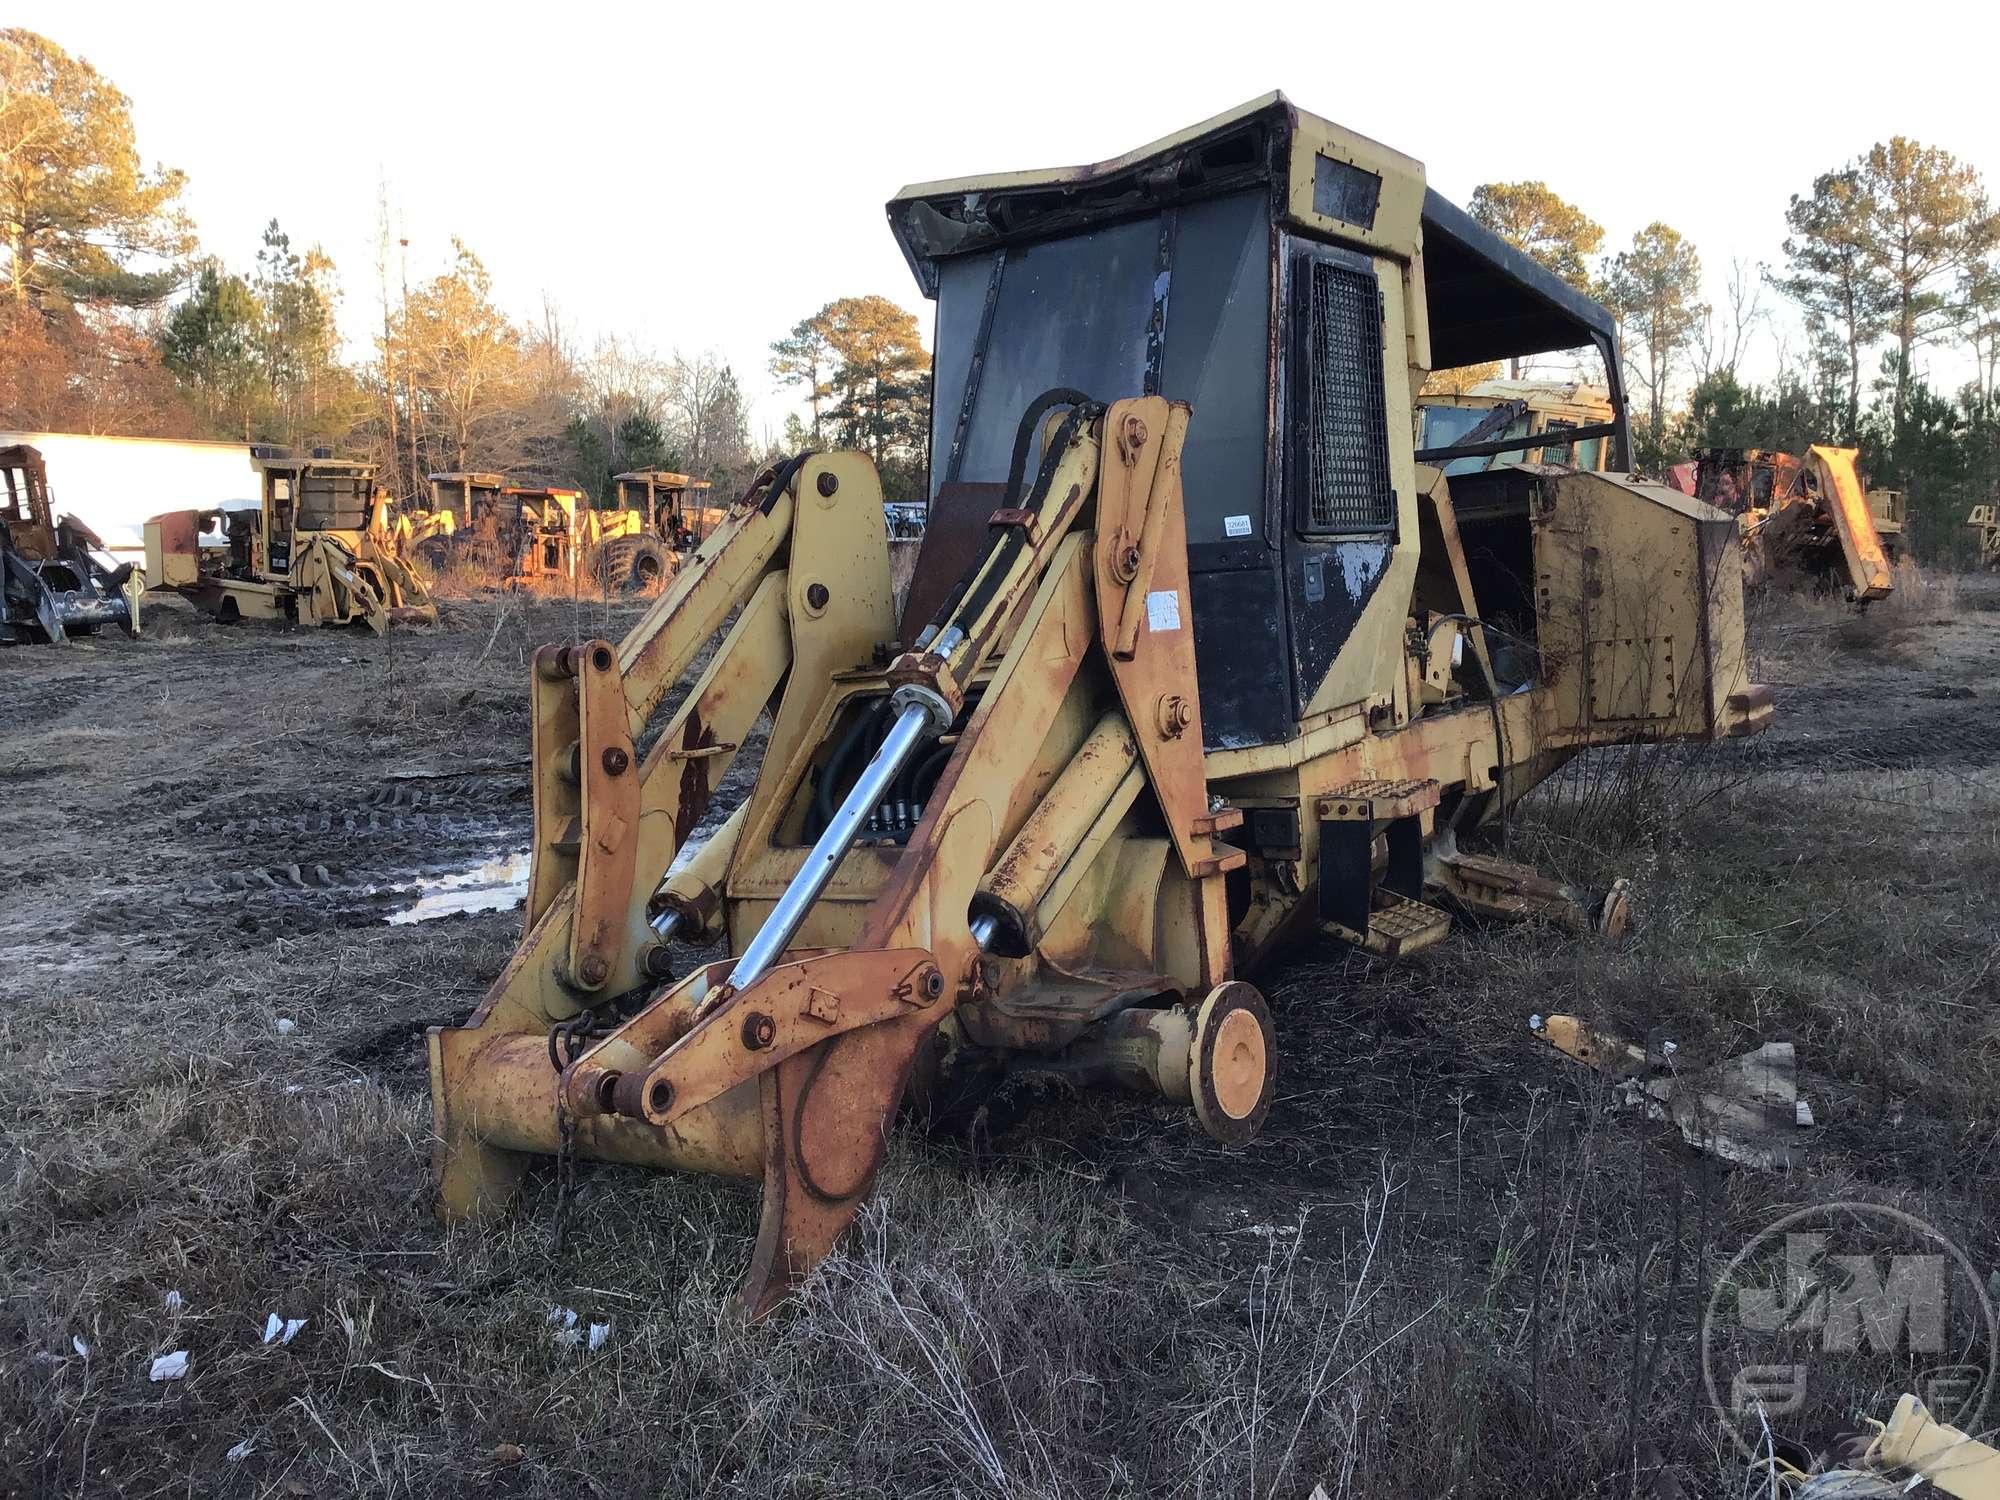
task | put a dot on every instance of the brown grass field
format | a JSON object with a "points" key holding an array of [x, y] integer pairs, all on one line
{"points": [[1450, 1265]]}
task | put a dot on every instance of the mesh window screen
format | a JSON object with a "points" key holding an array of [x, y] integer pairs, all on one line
{"points": [[1347, 443]]}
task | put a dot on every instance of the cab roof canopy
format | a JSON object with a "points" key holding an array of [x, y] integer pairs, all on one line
{"points": [[472, 477], [664, 479], [285, 464], [1485, 299]]}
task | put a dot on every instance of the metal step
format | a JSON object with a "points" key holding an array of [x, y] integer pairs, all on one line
{"points": [[1373, 801], [1399, 926]]}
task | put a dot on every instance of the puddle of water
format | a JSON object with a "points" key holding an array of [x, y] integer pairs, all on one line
{"points": [[499, 884], [492, 885]]}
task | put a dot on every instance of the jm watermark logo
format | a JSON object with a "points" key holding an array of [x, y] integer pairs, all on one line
{"points": [[1846, 1298]]}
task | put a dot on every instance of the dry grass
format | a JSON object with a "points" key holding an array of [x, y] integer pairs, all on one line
{"points": [[1449, 1266]]}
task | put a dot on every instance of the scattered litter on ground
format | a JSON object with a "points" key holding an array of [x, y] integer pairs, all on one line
{"points": [[281, 1330], [82, 1349], [562, 1325], [286, 1026], [1745, 1110], [241, 1451], [173, 1301], [599, 1332], [170, 1366]]}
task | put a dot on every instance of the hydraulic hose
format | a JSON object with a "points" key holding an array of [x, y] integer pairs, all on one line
{"points": [[991, 579], [864, 725]]}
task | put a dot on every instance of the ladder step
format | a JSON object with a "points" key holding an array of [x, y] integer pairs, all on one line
{"points": [[1372, 801], [1399, 925]]}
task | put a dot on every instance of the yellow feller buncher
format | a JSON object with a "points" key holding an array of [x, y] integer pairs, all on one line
{"points": [[521, 534], [1543, 409], [1196, 660], [315, 551], [673, 507], [1806, 523], [1985, 523]]}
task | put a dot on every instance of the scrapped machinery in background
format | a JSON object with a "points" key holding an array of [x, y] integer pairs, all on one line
{"points": [[1197, 659], [672, 507], [1807, 523], [315, 551], [53, 584], [1526, 409], [1985, 523], [520, 535]]}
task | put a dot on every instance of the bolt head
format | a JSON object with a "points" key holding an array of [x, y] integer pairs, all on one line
{"points": [[593, 970], [759, 1031], [828, 484], [617, 760], [932, 984]]}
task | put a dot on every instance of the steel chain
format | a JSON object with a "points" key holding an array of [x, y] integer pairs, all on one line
{"points": [[565, 1173]]}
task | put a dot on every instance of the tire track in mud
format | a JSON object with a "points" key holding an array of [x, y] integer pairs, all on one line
{"points": [[1943, 728], [262, 862]]}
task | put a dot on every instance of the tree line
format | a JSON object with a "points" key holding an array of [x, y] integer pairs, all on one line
{"points": [[115, 320], [1893, 251]]}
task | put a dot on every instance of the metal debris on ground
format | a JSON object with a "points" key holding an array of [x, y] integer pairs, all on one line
{"points": [[1745, 1110], [1911, 1453]]}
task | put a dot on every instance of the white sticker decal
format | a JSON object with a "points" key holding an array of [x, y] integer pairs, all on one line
{"points": [[1163, 610], [1236, 526]]}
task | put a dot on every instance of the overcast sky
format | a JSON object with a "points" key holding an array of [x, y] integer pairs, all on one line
{"points": [[701, 177]]}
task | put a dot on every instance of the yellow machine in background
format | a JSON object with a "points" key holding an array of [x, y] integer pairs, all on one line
{"points": [[1806, 523], [1517, 409], [1985, 523], [516, 535], [1199, 658], [673, 507], [317, 550]]}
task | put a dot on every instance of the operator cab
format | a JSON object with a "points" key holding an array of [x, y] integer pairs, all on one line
{"points": [[309, 496], [1293, 282], [673, 506]]}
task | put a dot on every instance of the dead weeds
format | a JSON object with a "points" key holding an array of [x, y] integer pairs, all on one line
{"points": [[1448, 1266]]}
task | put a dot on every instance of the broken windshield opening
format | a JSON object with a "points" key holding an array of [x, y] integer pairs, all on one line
{"points": [[1176, 304]]}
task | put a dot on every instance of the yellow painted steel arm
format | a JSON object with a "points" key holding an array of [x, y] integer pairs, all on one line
{"points": [[1846, 505], [658, 650]]}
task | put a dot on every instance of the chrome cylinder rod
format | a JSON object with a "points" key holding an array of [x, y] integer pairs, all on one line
{"points": [[909, 731]]}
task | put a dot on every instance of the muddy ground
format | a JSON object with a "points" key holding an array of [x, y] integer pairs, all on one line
{"points": [[1450, 1264]]}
